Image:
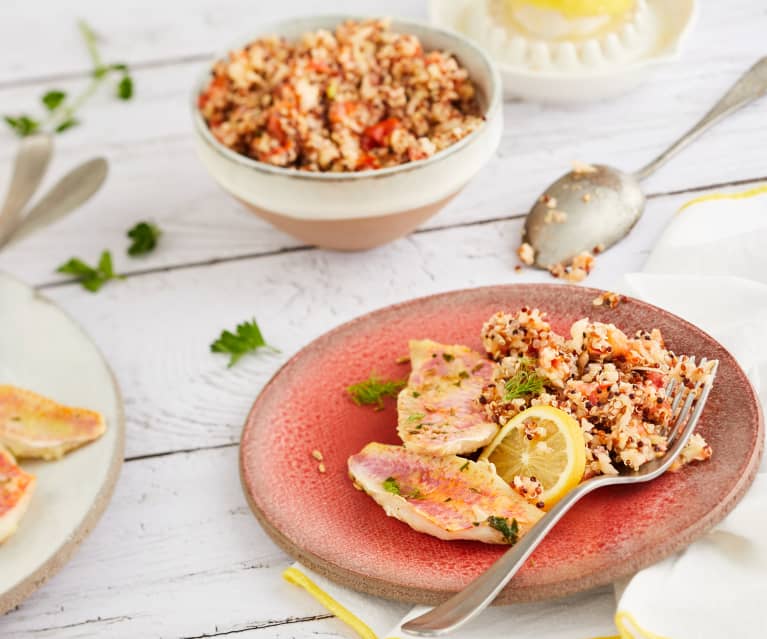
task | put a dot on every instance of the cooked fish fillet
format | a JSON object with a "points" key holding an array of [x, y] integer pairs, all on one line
{"points": [[34, 426], [438, 411], [448, 497], [16, 488]]}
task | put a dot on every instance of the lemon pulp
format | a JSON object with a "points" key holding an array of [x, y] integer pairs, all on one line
{"points": [[541, 442], [579, 8]]}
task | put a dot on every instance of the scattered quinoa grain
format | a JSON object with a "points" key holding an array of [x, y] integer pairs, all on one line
{"points": [[526, 254], [581, 168], [608, 299]]}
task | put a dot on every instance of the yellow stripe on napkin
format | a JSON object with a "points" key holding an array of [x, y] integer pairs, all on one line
{"points": [[294, 576], [739, 195], [628, 626], [625, 623]]}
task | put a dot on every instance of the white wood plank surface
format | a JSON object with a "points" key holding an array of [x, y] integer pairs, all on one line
{"points": [[155, 174], [178, 535], [156, 329], [178, 554]]}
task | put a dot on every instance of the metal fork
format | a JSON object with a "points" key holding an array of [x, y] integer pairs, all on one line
{"points": [[686, 407]]}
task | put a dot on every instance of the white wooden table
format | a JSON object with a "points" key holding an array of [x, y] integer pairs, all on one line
{"points": [[177, 553]]}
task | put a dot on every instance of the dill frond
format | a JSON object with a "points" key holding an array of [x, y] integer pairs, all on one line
{"points": [[371, 392]]}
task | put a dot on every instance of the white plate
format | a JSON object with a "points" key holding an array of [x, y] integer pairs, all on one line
{"points": [[674, 20], [43, 350]]}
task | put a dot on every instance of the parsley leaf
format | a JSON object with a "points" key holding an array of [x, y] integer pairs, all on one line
{"points": [[510, 532], [22, 125], [144, 236], [373, 390], [52, 99], [391, 486], [91, 278], [247, 339], [67, 124], [60, 108], [125, 88]]}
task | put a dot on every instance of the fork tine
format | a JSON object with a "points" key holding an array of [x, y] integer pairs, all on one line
{"points": [[681, 418], [670, 387], [678, 398], [699, 392]]}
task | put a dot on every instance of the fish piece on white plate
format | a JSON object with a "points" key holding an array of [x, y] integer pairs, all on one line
{"points": [[448, 497], [35, 427], [16, 488], [439, 411]]}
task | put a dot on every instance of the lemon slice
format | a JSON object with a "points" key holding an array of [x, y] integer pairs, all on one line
{"points": [[555, 456]]}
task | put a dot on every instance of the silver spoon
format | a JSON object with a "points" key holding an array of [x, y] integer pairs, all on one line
{"points": [[29, 168], [600, 203], [69, 193]]}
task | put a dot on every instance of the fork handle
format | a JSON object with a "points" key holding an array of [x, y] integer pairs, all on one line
{"points": [[473, 599]]}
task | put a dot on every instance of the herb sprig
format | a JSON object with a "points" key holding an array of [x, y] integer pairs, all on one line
{"points": [[144, 236], [524, 382], [510, 531], [248, 338], [371, 392], [91, 278], [390, 485], [60, 109]]}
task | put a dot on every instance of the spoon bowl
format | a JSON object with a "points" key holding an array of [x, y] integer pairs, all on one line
{"points": [[592, 207], [588, 209]]}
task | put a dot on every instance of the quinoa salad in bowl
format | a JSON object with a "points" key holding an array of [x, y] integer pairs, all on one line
{"points": [[347, 132], [361, 96]]}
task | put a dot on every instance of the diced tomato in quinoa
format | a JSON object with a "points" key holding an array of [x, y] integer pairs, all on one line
{"points": [[339, 94], [378, 134]]}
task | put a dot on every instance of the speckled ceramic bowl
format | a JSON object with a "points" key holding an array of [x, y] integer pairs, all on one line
{"points": [[353, 211]]}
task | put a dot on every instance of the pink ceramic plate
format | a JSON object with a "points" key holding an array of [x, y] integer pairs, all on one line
{"points": [[341, 533]]}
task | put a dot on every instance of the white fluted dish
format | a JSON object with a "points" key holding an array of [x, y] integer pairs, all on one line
{"points": [[581, 69]]}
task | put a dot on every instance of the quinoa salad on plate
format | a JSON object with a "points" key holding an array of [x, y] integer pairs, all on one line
{"points": [[360, 97], [614, 385]]}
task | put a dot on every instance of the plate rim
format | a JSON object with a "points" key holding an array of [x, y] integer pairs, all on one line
{"points": [[14, 596], [375, 586]]}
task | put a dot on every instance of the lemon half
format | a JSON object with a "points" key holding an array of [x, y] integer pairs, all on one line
{"points": [[580, 8], [556, 457]]}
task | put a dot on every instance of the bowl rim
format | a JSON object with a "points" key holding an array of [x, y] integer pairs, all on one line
{"points": [[492, 108]]}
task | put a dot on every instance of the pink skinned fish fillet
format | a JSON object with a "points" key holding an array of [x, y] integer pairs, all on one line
{"points": [[439, 412], [447, 497]]}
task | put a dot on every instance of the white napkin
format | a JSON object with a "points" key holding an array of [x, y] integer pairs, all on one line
{"points": [[710, 267]]}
